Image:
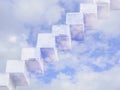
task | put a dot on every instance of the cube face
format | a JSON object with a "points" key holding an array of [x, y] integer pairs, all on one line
{"points": [[18, 79], [4, 88], [15, 66], [6, 82], [48, 54], [28, 53], [90, 21], [46, 40], [77, 32], [115, 4], [88, 8], [74, 18], [60, 29], [4, 79], [63, 42], [7, 88], [103, 10], [101, 1], [34, 66]]}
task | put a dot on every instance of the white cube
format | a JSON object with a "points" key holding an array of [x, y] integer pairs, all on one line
{"points": [[62, 36], [88, 8], [103, 8], [100, 1], [76, 22], [115, 4], [47, 47], [30, 53], [90, 15], [46, 40], [74, 18], [33, 60], [18, 73], [5, 82]]}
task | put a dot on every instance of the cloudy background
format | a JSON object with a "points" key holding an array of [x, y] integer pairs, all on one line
{"points": [[93, 64]]}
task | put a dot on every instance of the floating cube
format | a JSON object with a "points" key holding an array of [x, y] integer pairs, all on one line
{"points": [[90, 15], [62, 36], [76, 22], [6, 82], [18, 73], [103, 8], [47, 47], [115, 4], [33, 62]]}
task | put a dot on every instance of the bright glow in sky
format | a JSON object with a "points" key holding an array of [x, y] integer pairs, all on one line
{"points": [[92, 64], [12, 39]]}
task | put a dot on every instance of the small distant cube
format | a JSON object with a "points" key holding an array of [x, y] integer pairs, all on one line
{"points": [[6, 83], [18, 73], [90, 15], [115, 4], [62, 36]]}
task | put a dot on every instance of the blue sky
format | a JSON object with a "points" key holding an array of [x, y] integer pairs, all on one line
{"points": [[93, 64]]}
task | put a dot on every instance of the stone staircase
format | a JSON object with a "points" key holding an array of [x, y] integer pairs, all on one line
{"points": [[48, 45]]}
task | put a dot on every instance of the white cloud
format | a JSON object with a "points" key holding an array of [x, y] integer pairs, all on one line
{"points": [[37, 11], [53, 14], [83, 81], [9, 26], [110, 26]]}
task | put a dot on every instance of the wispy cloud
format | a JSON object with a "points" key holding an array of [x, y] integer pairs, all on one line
{"points": [[37, 11]]}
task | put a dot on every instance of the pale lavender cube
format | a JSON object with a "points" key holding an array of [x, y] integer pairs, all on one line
{"points": [[18, 72]]}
